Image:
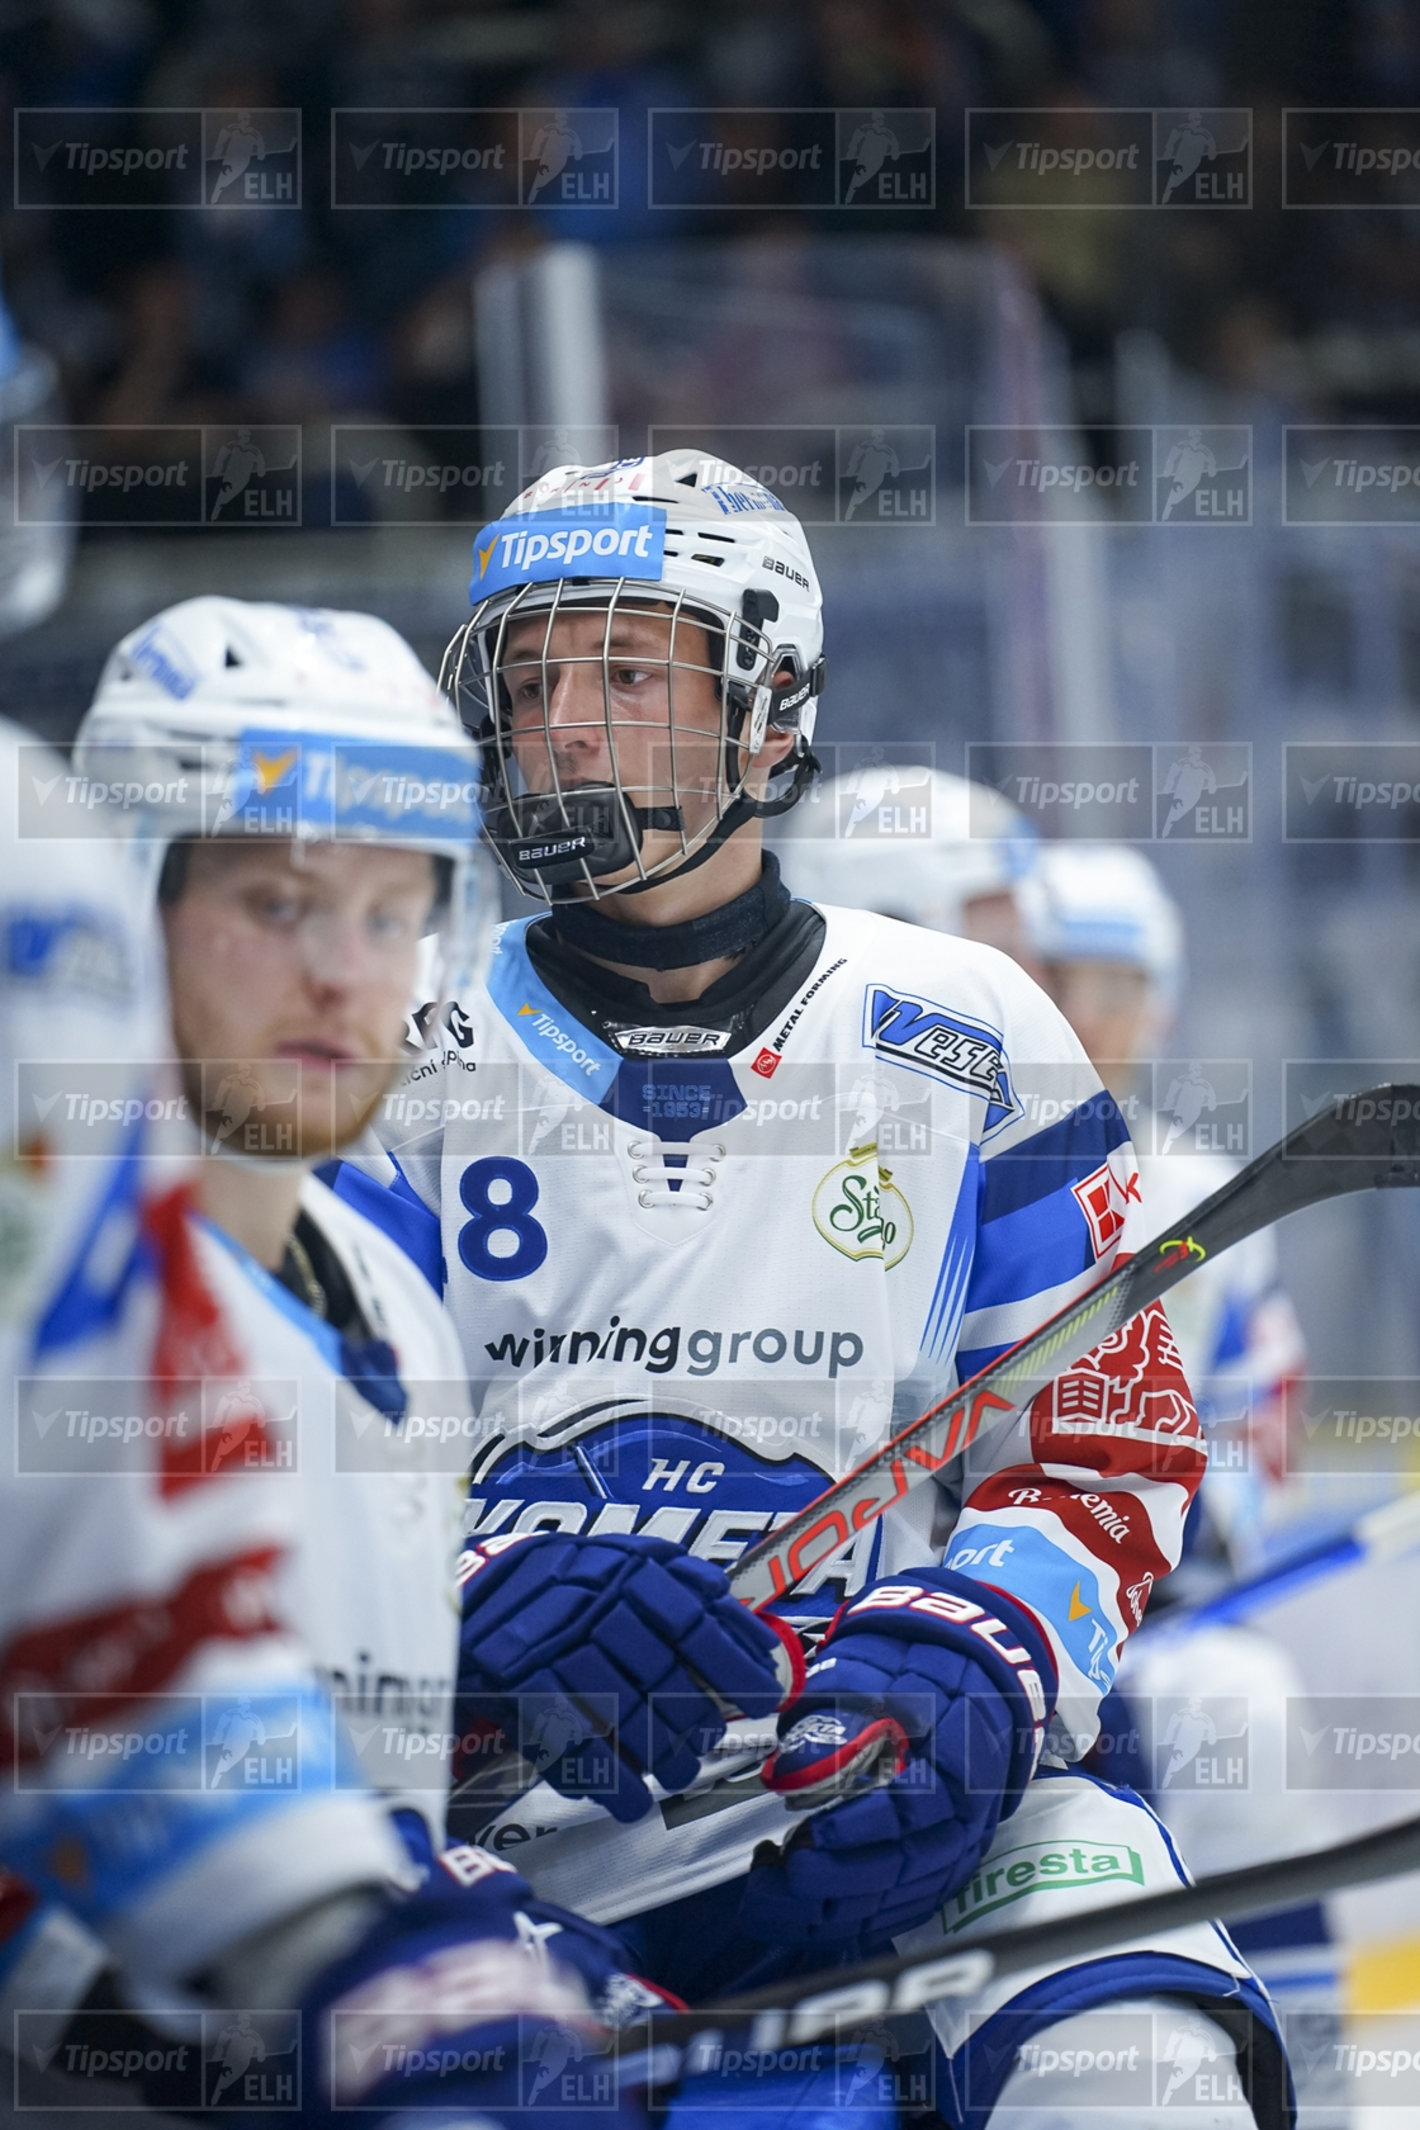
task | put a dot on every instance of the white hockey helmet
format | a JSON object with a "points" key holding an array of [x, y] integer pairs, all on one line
{"points": [[224, 717], [681, 534], [949, 842], [1105, 902]]}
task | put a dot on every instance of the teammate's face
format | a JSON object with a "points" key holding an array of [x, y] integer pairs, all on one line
{"points": [[1109, 1007], [635, 695], [997, 922], [291, 971]]}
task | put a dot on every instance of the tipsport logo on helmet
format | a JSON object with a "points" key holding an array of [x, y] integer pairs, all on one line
{"points": [[350, 790], [610, 540]]}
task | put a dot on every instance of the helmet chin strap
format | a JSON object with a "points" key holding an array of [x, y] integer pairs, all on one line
{"points": [[736, 814], [733, 929]]}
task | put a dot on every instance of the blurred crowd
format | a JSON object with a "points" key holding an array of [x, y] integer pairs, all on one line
{"points": [[268, 315]]}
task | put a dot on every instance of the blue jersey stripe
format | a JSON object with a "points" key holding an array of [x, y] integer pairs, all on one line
{"points": [[1062, 1154], [1038, 1246], [948, 1304], [971, 1360], [1231, 1341]]}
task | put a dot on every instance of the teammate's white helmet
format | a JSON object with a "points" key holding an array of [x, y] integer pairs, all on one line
{"points": [[683, 535], [224, 717], [834, 848], [1105, 902]]}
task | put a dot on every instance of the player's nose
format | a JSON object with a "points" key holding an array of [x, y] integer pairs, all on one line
{"points": [[577, 695]]}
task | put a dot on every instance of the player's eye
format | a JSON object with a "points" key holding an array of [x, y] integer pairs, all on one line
{"points": [[275, 906], [392, 924]]}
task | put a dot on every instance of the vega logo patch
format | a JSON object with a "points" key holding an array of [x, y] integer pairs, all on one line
{"points": [[953, 1047]]}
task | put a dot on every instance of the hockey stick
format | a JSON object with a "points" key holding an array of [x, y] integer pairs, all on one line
{"points": [[1359, 1143], [838, 2000]]}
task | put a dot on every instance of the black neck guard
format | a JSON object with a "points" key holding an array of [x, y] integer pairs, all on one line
{"points": [[732, 929]]}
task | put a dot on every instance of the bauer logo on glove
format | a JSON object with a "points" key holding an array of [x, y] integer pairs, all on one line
{"points": [[919, 1726]]}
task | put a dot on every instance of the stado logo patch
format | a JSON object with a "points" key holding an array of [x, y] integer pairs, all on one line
{"points": [[612, 540]]}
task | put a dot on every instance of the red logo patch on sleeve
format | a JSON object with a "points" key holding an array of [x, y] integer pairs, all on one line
{"points": [[1125, 1407], [1102, 1198], [766, 1064]]}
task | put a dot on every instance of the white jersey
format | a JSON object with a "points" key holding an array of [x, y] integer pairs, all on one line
{"points": [[699, 1274], [139, 1570], [370, 1590]]}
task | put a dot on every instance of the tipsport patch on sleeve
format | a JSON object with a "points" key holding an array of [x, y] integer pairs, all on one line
{"points": [[589, 540]]}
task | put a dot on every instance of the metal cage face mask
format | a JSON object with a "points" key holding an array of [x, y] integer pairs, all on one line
{"points": [[609, 714]]}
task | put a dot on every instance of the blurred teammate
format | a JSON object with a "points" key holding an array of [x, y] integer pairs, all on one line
{"points": [[922, 846], [1199, 1718], [1110, 940], [184, 1576]]}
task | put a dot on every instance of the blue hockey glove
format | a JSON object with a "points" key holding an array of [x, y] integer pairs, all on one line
{"points": [[472, 1997], [606, 1659], [923, 1714]]}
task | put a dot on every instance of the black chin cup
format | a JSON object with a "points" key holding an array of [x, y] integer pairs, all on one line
{"points": [[549, 840]]}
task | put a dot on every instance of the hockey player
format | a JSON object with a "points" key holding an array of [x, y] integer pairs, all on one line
{"points": [[1111, 941], [699, 1277], [148, 1591]]}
